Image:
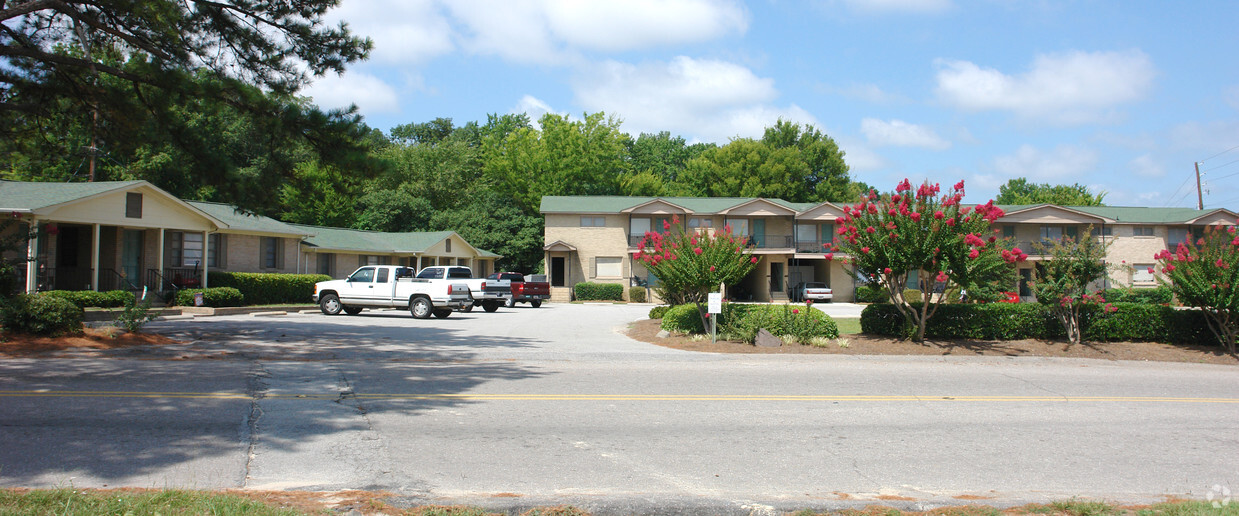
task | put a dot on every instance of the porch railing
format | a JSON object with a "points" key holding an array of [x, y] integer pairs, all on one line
{"points": [[109, 279]]}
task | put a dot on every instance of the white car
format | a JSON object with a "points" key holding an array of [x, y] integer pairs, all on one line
{"points": [[812, 291], [390, 286]]}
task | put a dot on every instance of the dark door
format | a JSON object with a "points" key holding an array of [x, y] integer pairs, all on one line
{"points": [[776, 276], [1025, 279], [557, 271]]}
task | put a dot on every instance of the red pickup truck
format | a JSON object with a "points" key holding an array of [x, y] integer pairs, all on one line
{"points": [[532, 292]]}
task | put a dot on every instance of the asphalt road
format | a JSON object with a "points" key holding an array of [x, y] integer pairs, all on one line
{"points": [[553, 405]]}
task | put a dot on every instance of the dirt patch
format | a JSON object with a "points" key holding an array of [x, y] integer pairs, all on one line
{"points": [[861, 344], [20, 345]]}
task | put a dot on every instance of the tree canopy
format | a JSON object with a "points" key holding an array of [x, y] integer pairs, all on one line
{"points": [[1020, 191]]}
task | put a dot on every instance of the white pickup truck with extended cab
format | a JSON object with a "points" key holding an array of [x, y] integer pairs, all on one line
{"points": [[488, 294], [391, 286]]}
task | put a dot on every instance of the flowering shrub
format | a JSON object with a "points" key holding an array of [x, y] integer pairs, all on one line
{"points": [[691, 264], [1204, 274], [888, 236], [1063, 279], [742, 321]]}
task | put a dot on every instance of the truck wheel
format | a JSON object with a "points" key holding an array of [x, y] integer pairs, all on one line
{"points": [[490, 306], [536, 303], [467, 308], [421, 308], [510, 302], [443, 313], [330, 304], [352, 310]]}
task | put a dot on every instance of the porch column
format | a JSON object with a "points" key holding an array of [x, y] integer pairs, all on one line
{"points": [[94, 258], [32, 253], [159, 256], [419, 262], [206, 241]]}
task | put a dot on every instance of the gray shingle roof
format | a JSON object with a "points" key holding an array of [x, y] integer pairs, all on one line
{"points": [[238, 221], [29, 196]]}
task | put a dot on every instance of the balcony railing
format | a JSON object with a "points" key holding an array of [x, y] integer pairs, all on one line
{"points": [[811, 246], [766, 241]]}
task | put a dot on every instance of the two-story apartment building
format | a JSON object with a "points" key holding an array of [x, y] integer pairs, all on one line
{"points": [[592, 238], [132, 235]]}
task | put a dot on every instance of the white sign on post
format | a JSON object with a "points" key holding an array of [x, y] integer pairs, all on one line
{"points": [[715, 302]]}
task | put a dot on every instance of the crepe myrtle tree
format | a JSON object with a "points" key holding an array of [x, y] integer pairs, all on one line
{"points": [[1064, 277], [888, 236], [691, 264], [1204, 274]]}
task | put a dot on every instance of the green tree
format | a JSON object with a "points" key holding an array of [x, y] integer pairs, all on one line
{"points": [[1063, 280], [887, 237], [495, 223], [690, 264], [161, 73], [564, 157], [1205, 274], [1020, 191]]}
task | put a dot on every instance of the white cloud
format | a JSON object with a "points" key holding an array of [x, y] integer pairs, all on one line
{"points": [[634, 24], [861, 158], [1144, 166], [707, 99], [901, 134], [555, 31], [403, 31], [535, 108], [1064, 162], [866, 92], [371, 95], [1075, 87], [899, 6]]}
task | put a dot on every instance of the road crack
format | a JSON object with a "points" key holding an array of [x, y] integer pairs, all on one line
{"points": [[256, 388]]}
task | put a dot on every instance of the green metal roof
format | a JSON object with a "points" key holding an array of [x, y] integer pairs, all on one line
{"points": [[342, 239], [617, 204], [26, 196], [238, 221]]}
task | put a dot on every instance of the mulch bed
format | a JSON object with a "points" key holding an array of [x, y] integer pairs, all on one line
{"points": [[862, 344], [19, 345]]}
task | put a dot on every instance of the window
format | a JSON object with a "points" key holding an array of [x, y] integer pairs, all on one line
{"points": [[739, 226], [191, 249], [593, 222], [1051, 232], [1141, 273], [217, 250], [326, 262], [699, 222], [369, 259], [1104, 231], [133, 205], [1008, 231], [431, 274], [382, 276], [447, 245], [272, 253], [806, 232], [608, 267], [638, 227], [1176, 236], [459, 273], [363, 275], [1142, 231]]}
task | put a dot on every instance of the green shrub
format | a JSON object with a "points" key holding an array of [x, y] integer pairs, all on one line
{"points": [[952, 295], [589, 291], [912, 295], [658, 311], [135, 316], [41, 315], [1015, 321], [1155, 296], [91, 299], [215, 297], [261, 288], [872, 294], [742, 321], [636, 294]]}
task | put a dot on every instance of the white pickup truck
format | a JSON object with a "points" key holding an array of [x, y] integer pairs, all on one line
{"points": [[391, 286], [488, 294]]}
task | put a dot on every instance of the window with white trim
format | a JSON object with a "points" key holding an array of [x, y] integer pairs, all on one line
{"points": [[1175, 236], [638, 226], [608, 267], [700, 222], [1142, 231], [1141, 273], [593, 222]]}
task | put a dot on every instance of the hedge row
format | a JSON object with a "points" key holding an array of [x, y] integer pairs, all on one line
{"points": [[91, 299], [742, 321], [1137, 322], [217, 297], [589, 291], [1157, 296], [40, 314], [636, 294], [268, 288]]}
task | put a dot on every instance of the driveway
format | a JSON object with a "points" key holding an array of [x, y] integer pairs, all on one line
{"points": [[554, 405]]}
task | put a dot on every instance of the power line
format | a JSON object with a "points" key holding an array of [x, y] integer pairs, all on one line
{"points": [[1176, 190], [1220, 153], [1220, 166]]}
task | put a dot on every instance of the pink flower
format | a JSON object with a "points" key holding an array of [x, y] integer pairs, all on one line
{"points": [[830, 256], [865, 250], [941, 276], [1111, 308], [1150, 270], [870, 229], [887, 270], [795, 310], [959, 185], [711, 268], [636, 256], [905, 186], [675, 219], [754, 259], [697, 250], [666, 226], [938, 214], [916, 216], [950, 222], [973, 254], [808, 302]]}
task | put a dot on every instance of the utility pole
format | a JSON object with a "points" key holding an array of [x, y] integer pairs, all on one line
{"points": [[1200, 199]]}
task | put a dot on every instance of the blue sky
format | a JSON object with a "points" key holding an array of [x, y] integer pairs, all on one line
{"points": [[1121, 96]]}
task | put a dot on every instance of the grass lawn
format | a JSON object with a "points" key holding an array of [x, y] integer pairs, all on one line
{"points": [[848, 326]]}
